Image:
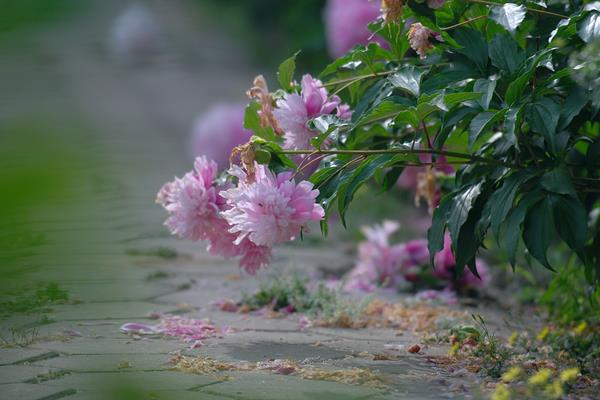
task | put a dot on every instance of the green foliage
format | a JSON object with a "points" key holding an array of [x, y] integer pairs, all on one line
{"points": [[33, 300], [19, 14], [509, 96]]}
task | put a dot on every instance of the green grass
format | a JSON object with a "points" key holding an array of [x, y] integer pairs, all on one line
{"points": [[16, 15]]}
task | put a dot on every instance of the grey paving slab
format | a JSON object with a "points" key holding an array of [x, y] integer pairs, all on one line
{"points": [[14, 355], [83, 346], [21, 373], [265, 386], [107, 311], [108, 362], [26, 391]]}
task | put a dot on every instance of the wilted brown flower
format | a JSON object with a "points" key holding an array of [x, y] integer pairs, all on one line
{"points": [[260, 92], [419, 37], [392, 10], [427, 188], [247, 154]]}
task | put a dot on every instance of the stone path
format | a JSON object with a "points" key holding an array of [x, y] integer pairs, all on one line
{"points": [[131, 124]]}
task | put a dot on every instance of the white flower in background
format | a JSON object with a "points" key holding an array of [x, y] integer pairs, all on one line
{"points": [[135, 36]]}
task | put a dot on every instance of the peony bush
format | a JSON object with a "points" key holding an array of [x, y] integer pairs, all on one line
{"points": [[492, 105]]}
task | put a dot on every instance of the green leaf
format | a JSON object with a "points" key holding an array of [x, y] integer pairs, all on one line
{"points": [[570, 218], [474, 46], [508, 15], [512, 121], [516, 87], [252, 122], [486, 87], [501, 201], [435, 233], [285, 72], [515, 221], [384, 110], [452, 99], [558, 181], [538, 230], [574, 103], [459, 212], [390, 178], [589, 28], [408, 78], [506, 54], [542, 117], [482, 122], [360, 175]]}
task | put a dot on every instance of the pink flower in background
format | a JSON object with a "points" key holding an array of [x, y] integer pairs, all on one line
{"points": [[295, 110], [378, 262], [347, 24], [270, 209], [217, 131], [445, 266], [415, 255], [192, 202]]}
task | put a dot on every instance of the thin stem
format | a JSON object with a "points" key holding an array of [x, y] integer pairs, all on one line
{"points": [[491, 3], [427, 134], [463, 23], [303, 166], [453, 154], [358, 78], [340, 169]]}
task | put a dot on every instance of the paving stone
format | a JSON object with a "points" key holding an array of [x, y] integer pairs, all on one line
{"points": [[107, 311], [265, 386], [108, 362], [21, 373], [150, 380], [27, 391], [14, 355], [83, 346]]}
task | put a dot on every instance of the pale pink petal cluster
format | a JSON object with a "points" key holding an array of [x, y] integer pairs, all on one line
{"points": [[295, 110], [383, 264], [217, 131], [194, 206], [378, 262], [420, 36], [347, 24], [270, 208]]}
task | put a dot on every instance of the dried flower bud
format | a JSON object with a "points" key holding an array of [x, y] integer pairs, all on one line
{"points": [[391, 10], [247, 154], [419, 37], [260, 92], [427, 188]]}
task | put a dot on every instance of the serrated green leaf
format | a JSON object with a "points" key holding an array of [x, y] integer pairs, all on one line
{"points": [[408, 78], [486, 87], [501, 201], [574, 103], [558, 181], [473, 45], [452, 99], [542, 117], [570, 219], [360, 175], [514, 223], [506, 54], [482, 122], [390, 178], [508, 15], [512, 121], [384, 110], [285, 72], [538, 230]]}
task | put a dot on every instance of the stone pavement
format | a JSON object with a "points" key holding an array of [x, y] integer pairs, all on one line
{"points": [[102, 243]]}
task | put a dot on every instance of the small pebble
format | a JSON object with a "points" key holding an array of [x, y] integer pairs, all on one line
{"points": [[415, 348]]}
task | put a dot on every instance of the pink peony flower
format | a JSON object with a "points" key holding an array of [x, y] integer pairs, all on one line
{"points": [[295, 110], [218, 130], [271, 208], [194, 205], [347, 24], [419, 37], [192, 202], [378, 261]]}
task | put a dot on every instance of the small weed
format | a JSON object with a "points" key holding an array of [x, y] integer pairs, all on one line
{"points": [[18, 337], [492, 353], [29, 301]]}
